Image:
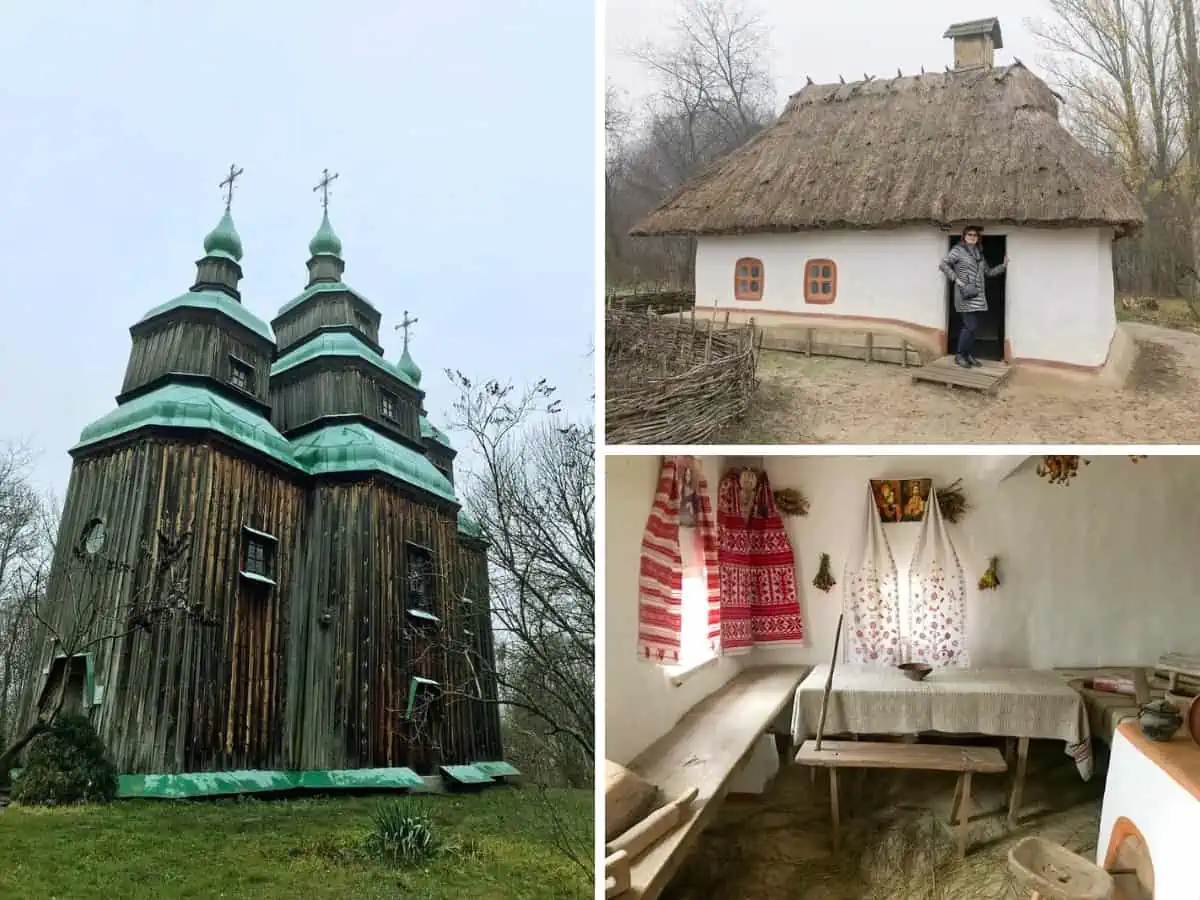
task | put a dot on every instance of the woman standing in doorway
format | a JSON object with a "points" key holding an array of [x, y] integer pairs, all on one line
{"points": [[965, 266]]}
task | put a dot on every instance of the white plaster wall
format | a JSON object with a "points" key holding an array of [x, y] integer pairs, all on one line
{"points": [[1060, 295], [641, 704], [1104, 571], [881, 274], [1059, 290]]}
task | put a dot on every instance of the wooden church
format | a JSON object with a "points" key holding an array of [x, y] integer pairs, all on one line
{"points": [[262, 565]]}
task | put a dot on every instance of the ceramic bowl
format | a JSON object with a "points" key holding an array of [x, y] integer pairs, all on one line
{"points": [[915, 671]]}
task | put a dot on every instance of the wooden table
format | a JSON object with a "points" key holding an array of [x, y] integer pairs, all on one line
{"points": [[1017, 704]]}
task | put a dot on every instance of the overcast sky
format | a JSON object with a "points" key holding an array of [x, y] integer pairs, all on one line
{"points": [[463, 132], [824, 40]]}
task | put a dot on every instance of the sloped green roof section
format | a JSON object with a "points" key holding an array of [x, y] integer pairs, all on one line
{"points": [[191, 406], [466, 774], [249, 781], [497, 769], [335, 343], [468, 526], [324, 287], [214, 300], [429, 430], [356, 448]]}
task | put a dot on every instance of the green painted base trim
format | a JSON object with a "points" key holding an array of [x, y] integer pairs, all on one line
{"points": [[466, 774], [497, 769], [216, 784]]}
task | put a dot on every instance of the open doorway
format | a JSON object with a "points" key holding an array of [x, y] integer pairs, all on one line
{"points": [[989, 340]]}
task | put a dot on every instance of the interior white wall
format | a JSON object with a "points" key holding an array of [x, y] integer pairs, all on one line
{"points": [[1104, 571], [641, 703], [1059, 290]]}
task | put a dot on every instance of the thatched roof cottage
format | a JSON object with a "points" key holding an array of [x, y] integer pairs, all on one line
{"points": [[839, 212]]}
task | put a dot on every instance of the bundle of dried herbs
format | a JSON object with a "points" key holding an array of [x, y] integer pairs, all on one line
{"points": [[952, 502], [991, 578], [1060, 469], [824, 580]]}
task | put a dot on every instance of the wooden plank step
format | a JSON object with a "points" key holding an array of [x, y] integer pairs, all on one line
{"points": [[927, 757], [945, 370]]}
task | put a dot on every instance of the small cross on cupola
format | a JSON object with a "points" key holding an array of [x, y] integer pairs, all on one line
{"points": [[220, 267], [234, 172]]}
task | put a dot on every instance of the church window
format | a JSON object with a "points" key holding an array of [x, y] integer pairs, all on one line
{"points": [[241, 375], [258, 555], [419, 581], [748, 279], [820, 281], [389, 406]]}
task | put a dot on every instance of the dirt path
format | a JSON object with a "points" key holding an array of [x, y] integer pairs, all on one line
{"points": [[822, 400]]}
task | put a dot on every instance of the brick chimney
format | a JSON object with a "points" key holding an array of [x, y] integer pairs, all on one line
{"points": [[975, 43]]}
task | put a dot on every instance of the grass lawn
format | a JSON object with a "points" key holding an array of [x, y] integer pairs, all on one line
{"points": [[1172, 312], [507, 840]]}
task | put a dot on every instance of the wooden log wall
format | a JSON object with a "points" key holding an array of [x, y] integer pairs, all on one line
{"points": [[341, 386], [326, 309], [484, 740], [353, 671], [185, 695], [196, 347]]}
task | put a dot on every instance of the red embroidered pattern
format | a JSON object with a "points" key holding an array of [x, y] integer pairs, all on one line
{"points": [[660, 578], [759, 601]]}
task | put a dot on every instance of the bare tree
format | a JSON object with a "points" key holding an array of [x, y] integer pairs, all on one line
{"points": [[534, 497], [24, 548], [713, 93], [1129, 71], [70, 613]]}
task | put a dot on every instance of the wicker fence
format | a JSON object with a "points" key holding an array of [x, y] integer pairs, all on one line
{"points": [[672, 380]]}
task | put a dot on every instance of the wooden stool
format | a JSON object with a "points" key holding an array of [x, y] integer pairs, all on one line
{"points": [[1053, 872]]}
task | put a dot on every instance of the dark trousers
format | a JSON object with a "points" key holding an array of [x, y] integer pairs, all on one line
{"points": [[966, 337]]}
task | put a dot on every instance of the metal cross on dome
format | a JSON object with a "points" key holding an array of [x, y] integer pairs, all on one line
{"points": [[406, 323], [234, 172], [323, 187]]}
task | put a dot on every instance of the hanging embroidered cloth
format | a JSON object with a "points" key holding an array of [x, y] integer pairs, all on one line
{"points": [[871, 595], [759, 601], [937, 590], [661, 573]]}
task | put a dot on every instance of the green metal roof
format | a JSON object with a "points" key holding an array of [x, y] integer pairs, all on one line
{"points": [[429, 430], [407, 367], [219, 301], [252, 781], [325, 242], [335, 343], [321, 287], [357, 448], [224, 240], [192, 406], [468, 526]]}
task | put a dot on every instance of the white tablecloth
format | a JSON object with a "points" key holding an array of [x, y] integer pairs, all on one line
{"points": [[1000, 702]]}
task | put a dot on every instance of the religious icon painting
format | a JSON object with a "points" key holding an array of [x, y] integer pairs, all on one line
{"points": [[914, 497], [887, 498], [689, 500]]}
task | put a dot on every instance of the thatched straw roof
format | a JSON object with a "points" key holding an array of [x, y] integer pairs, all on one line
{"points": [[974, 145]]}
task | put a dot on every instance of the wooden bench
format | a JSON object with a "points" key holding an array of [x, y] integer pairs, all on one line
{"points": [[835, 755], [703, 751]]}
